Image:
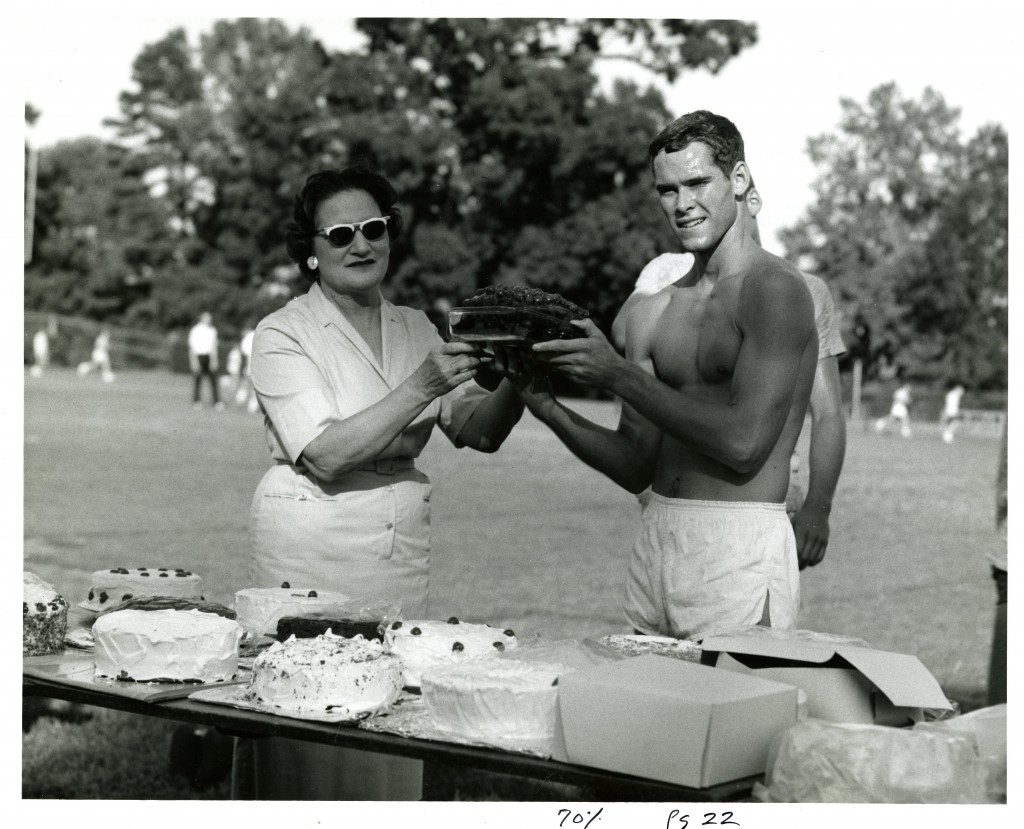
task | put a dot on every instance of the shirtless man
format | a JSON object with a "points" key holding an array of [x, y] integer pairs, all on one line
{"points": [[714, 385], [808, 512]]}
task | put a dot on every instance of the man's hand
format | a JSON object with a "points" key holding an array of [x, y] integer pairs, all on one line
{"points": [[810, 526], [590, 360], [529, 378]]}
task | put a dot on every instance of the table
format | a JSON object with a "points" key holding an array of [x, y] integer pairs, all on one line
{"points": [[602, 785]]}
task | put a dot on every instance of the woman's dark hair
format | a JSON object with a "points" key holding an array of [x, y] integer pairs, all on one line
{"points": [[322, 185], [718, 132]]}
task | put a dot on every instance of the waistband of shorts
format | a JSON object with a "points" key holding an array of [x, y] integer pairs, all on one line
{"points": [[381, 466], [697, 505], [389, 466]]}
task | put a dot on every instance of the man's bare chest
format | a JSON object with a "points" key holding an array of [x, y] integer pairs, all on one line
{"points": [[696, 341]]}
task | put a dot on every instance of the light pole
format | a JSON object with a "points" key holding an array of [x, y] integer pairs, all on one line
{"points": [[32, 165]]}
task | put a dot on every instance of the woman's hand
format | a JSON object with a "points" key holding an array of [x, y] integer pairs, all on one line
{"points": [[448, 366]]}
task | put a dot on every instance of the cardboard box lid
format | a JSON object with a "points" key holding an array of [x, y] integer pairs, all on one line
{"points": [[658, 675], [903, 678]]}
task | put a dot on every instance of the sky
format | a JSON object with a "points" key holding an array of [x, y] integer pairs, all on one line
{"points": [[779, 93]]}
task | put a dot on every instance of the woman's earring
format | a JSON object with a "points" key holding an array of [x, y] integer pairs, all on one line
{"points": [[312, 263]]}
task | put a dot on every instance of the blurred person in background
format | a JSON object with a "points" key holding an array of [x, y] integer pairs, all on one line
{"points": [[352, 387], [951, 417], [40, 352], [203, 360], [808, 513], [100, 357], [899, 412], [231, 380], [999, 560], [244, 395]]}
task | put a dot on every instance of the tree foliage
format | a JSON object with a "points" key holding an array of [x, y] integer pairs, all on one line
{"points": [[909, 227], [511, 164]]}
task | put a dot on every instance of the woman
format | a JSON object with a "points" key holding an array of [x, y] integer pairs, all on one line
{"points": [[352, 387]]}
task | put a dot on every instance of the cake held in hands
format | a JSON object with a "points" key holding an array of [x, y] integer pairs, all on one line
{"points": [[166, 646], [44, 617], [427, 644], [514, 314], [119, 584], [327, 674]]}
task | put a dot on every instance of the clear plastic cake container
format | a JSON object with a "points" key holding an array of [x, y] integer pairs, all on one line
{"points": [[494, 324]]}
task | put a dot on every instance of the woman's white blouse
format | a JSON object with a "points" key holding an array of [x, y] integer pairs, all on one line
{"points": [[311, 368]]}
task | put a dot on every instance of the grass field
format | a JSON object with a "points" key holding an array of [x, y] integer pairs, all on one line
{"points": [[129, 474]]}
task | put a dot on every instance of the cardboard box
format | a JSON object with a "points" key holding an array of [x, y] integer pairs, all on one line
{"points": [[843, 683], [670, 720]]}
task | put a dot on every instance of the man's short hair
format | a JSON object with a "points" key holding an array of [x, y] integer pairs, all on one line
{"points": [[716, 131]]}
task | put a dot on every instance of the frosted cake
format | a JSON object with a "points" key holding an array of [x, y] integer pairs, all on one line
{"points": [[259, 609], [427, 644], [166, 645], [494, 698], [328, 673], [111, 587], [44, 617]]}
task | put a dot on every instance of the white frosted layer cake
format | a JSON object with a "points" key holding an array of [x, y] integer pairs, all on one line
{"points": [[169, 645], [111, 587], [427, 644], [639, 644], [259, 609], [327, 673], [44, 617], [494, 698]]}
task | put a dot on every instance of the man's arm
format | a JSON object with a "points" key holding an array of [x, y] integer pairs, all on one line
{"points": [[627, 454], [827, 451], [775, 317]]}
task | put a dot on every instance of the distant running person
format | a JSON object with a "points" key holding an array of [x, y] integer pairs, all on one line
{"points": [[100, 358], [898, 413], [951, 416]]}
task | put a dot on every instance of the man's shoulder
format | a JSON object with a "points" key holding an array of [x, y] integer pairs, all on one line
{"points": [[769, 281]]}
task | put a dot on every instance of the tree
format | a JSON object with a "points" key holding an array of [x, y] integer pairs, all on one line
{"points": [[507, 156], [887, 183], [99, 237]]}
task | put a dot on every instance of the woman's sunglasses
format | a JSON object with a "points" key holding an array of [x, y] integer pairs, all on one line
{"points": [[340, 236]]}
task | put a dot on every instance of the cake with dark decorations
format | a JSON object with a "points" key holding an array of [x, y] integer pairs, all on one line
{"points": [[44, 617], [427, 644], [119, 584]]}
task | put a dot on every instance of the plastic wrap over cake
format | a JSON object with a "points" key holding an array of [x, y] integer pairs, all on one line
{"points": [[366, 617], [823, 762], [514, 315], [259, 609]]}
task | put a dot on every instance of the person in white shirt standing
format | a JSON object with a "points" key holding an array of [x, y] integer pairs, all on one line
{"points": [[951, 416], [202, 359]]}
